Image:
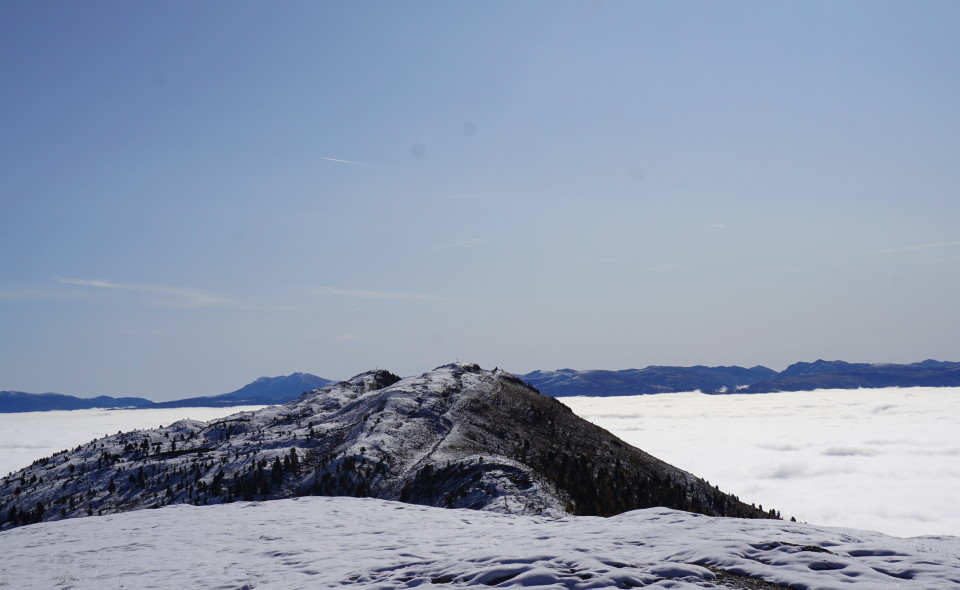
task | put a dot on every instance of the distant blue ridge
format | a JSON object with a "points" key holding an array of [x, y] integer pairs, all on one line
{"points": [[18, 401], [802, 376], [263, 391]]}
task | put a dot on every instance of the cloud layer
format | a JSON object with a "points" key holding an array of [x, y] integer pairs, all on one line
{"points": [[878, 459], [370, 294], [875, 459]]}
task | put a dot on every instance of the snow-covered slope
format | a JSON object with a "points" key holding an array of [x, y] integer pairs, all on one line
{"points": [[307, 543], [457, 436]]}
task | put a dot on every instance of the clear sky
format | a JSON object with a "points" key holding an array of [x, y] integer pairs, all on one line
{"points": [[196, 194]]}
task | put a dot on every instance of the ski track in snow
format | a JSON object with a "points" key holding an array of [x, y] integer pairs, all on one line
{"points": [[316, 542]]}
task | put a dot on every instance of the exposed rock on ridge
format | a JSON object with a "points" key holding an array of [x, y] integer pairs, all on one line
{"points": [[457, 436]]}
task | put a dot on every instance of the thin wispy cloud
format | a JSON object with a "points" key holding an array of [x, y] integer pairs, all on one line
{"points": [[19, 294], [133, 332], [388, 295], [468, 243], [341, 161], [660, 268], [718, 225], [598, 262], [595, 262], [914, 248], [158, 295]]}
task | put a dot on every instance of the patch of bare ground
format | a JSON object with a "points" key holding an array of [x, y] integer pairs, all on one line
{"points": [[734, 581]]}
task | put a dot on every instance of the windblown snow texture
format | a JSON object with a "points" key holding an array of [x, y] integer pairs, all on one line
{"points": [[366, 544], [457, 437]]}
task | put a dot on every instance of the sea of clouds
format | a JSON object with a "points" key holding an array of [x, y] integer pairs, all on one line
{"points": [[874, 459]]}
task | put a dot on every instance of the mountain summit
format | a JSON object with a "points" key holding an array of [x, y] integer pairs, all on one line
{"points": [[457, 436]]}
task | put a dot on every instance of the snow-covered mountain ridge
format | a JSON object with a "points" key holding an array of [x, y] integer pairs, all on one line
{"points": [[307, 543], [457, 436]]}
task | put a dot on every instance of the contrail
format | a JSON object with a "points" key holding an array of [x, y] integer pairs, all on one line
{"points": [[911, 248], [343, 161]]}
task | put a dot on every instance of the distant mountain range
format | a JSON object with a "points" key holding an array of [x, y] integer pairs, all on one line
{"points": [[264, 391], [819, 374], [18, 401], [840, 375], [656, 379]]}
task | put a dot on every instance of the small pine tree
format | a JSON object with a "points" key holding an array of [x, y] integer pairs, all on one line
{"points": [[276, 472], [294, 461]]}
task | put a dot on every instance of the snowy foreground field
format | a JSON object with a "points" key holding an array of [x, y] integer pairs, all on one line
{"points": [[317, 542]]}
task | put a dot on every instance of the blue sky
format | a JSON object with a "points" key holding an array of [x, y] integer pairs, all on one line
{"points": [[195, 194]]}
